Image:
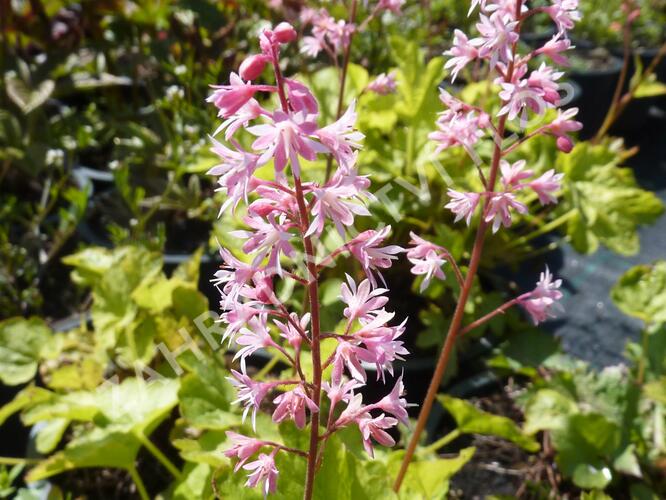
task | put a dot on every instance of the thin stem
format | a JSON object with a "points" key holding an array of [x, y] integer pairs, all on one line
{"points": [[458, 314], [441, 442], [546, 228], [161, 458], [448, 257], [483, 319], [141, 488], [343, 80], [313, 298]]}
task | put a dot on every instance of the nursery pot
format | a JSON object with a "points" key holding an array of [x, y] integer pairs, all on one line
{"points": [[597, 78]]}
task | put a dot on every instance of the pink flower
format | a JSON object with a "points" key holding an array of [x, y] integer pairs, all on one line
{"points": [[394, 404], [268, 237], [384, 84], [232, 277], [300, 98], [462, 204], [546, 185], [564, 14], [242, 448], [250, 393], [499, 34], [230, 98], [554, 47], [273, 201], [252, 339], [340, 391], [311, 46], [365, 247], [462, 53], [380, 340], [430, 265], [362, 302], [290, 333], [339, 201], [392, 5], [292, 405], [499, 209], [458, 128], [562, 125], [284, 139], [341, 138], [513, 174], [264, 470], [540, 303], [249, 111], [374, 427], [420, 247], [538, 92], [236, 315], [235, 173], [348, 354]]}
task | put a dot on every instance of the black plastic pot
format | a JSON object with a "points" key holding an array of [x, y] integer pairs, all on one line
{"points": [[597, 86]]}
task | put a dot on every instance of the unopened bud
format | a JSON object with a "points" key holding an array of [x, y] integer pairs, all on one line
{"points": [[284, 33], [252, 67], [564, 144]]}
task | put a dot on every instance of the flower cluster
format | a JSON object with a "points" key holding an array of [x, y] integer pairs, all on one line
{"points": [[285, 216], [524, 88]]}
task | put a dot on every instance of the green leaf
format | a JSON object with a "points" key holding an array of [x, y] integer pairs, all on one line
{"points": [[50, 435], [641, 292], [21, 343], [656, 391], [195, 483], [205, 398], [610, 204], [471, 420], [548, 410], [650, 87], [428, 478], [31, 395]]}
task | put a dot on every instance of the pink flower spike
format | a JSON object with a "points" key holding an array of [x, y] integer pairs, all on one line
{"points": [[250, 394], [366, 248], [430, 265], [292, 405], [374, 427], [562, 125], [513, 174], [462, 204], [564, 14], [242, 448], [394, 404], [263, 470], [362, 302], [499, 209], [383, 84], [546, 185], [499, 34], [541, 302]]}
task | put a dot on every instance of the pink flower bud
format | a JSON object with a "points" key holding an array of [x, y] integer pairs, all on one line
{"points": [[284, 33], [564, 144], [252, 67]]}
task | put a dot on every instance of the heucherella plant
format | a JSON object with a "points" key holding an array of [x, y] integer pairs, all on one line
{"points": [[525, 90], [287, 217]]}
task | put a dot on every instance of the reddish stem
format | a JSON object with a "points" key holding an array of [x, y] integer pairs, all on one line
{"points": [[313, 298], [454, 328]]}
